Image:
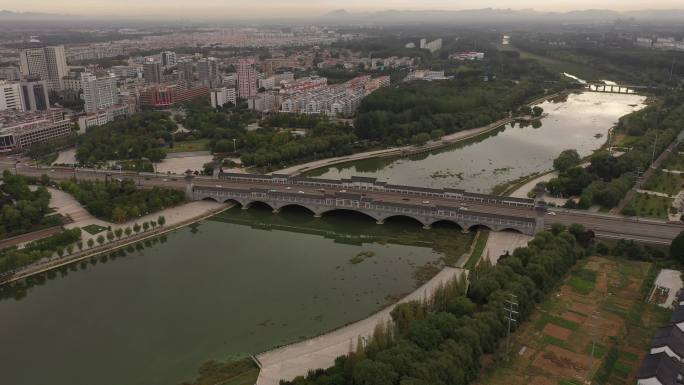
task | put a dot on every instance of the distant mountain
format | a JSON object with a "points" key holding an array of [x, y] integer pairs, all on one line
{"points": [[5, 14], [501, 15]]}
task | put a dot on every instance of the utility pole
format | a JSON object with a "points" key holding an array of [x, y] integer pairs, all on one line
{"points": [[511, 306], [594, 315], [654, 149]]}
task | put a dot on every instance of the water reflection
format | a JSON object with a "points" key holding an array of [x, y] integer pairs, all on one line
{"points": [[580, 121]]}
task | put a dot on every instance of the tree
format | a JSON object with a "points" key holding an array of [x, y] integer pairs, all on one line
{"points": [[146, 226], [118, 232], [566, 160], [70, 249], [128, 231], [79, 244], [136, 228], [537, 111], [91, 243], [100, 239], [110, 236], [677, 247], [153, 224], [161, 220]]}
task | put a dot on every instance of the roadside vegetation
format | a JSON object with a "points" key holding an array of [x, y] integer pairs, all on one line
{"points": [[116, 201], [23, 210], [443, 340], [608, 178], [13, 258]]}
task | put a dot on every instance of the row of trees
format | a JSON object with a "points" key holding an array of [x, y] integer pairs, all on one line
{"points": [[394, 115], [120, 201], [13, 258], [23, 210], [608, 178], [441, 341]]}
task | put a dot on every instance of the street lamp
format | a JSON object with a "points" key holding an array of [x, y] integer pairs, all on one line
{"points": [[234, 146]]}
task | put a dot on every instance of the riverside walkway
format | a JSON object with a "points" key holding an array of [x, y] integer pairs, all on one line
{"points": [[297, 359]]}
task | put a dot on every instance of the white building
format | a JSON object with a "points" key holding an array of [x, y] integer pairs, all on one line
{"points": [[426, 75], [462, 56], [98, 93], [10, 96], [221, 96], [168, 58], [247, 78], [434, 45], [48, 63], [102, 116]]}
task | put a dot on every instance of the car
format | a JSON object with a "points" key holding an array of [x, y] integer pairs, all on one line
{"points": [[147, 178], [321, 190], [405, 199], [165, 180], [343, 191], [300, 192], [462, 208], [551, 213], [426, 202], [219, 186], [272, 190], [288, 188]]}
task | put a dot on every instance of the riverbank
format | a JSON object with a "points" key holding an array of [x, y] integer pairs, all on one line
{"points": [[176, 217], [396, 151], [298, 359]]}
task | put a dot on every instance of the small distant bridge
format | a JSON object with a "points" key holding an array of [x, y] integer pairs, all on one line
{"points": [[614, 88]]}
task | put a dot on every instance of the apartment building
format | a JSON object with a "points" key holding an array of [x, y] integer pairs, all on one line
{"points": [[10, 96], [47, 63], [98, 93], [20, 130]]}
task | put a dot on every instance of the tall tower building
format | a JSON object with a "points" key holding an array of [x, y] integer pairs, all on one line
{"points": [[34, 94], [247, 78], [187, 68], [168, 58], [152, 72], [98, 93], [10, 96], [48, 63], [207, 71]]}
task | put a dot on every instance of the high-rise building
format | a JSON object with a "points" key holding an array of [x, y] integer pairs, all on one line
{"points": [[48, 63], [247, 78], [152, 72], [10, 73], [98, 93], [187, 68], [10, 96], [207, 71], [34, 94], [221, 96], [168, 58]]}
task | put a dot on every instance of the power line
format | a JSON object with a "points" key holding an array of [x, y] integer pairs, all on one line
{"points": [[510, 306]]}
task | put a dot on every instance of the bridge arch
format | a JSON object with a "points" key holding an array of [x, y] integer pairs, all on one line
{"points": [[403, 217], [354, 212], [296, 206], [445, 223], [511, 230], [480, 227], [251, 204], [209, 199], [233, 202]]}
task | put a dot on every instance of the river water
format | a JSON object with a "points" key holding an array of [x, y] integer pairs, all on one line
{"points": [[246, 281], [238, 284], [579, 121]]}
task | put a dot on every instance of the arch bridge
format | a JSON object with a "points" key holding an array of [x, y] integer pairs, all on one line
{"points": [[321, 202]]}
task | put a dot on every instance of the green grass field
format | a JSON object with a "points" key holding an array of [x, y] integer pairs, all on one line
{"points": [[188, 146], [645, 205], [94, 229], [556, 65], [664, 182]]}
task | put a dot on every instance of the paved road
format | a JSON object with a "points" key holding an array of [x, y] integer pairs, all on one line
{"points": [[605, 225]]}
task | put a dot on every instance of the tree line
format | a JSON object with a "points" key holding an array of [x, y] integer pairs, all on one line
{"points": [[608, 178], [441, 341], [119, 201], [13, 258], [23, 210]]}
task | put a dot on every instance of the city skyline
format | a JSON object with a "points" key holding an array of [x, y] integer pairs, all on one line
{"points": [[278, 9]]}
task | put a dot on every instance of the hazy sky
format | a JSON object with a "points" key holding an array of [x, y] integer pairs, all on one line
{"points": [[280, 8]]}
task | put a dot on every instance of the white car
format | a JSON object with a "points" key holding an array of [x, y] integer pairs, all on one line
{"points": [[551, 213]]}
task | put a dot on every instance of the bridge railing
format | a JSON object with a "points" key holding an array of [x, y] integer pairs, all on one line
{"points": [[346, 203]]}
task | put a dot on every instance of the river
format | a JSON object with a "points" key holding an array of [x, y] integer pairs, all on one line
{"points": [[579, 121], [240, 283]]}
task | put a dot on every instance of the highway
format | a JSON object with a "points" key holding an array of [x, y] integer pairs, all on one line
{"points": [[604, 225]]}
